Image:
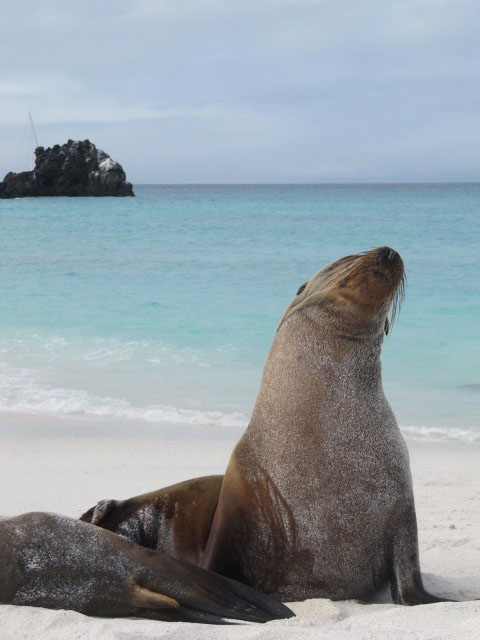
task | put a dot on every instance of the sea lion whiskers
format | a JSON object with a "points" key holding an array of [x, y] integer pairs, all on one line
{"points": [[396, 301]]}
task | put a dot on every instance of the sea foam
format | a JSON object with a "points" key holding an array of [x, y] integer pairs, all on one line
{"points": [[443, 434], [20, 392]]}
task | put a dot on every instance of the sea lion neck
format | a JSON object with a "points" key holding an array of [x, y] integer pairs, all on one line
{"points": [[326, 324], [345, 353]]}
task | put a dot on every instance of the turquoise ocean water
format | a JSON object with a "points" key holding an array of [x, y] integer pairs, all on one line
{"points": [[162, 307]]}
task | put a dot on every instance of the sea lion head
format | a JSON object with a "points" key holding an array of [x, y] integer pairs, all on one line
{"points": [[358, 295]]}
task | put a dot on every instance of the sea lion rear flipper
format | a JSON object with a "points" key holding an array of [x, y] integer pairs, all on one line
{"points": [[161, 607], [198, 594], [148, 598]]}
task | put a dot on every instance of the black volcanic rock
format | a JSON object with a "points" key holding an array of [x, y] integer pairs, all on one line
{"points": [[73, 169]]}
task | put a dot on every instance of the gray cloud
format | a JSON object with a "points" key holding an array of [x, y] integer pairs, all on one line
{"points": [[216, 90]]}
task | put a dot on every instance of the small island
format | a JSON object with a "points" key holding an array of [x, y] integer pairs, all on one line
{"points": [[76, 168]]}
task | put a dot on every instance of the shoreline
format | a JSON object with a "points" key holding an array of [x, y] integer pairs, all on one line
{"points": [[66, 464], [35, 446]]}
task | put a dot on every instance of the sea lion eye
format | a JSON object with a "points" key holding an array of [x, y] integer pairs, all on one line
{"points": [[301, 288], [380, 276]]}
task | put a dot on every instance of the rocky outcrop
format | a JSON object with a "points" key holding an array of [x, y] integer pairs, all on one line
{"points": [[76, 168]]}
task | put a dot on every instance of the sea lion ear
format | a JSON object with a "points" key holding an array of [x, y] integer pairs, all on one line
{"points": [[96, 514], [302, 288], [387, 326]]}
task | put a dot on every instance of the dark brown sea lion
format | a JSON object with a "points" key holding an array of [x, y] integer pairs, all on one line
{"points": [[175, 520], [52, 561], [317, 498]]}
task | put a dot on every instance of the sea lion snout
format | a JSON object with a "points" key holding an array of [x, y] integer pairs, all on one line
{"points": [[389, 262], [374, 286], [390, 269], [386, 256], [366, 283], [388, 253]]}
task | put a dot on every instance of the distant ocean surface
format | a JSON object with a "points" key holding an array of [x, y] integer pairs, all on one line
{"points": [[162, 307]]}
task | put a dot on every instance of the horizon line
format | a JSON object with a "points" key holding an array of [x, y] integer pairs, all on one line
{"points": [[300, 184]]}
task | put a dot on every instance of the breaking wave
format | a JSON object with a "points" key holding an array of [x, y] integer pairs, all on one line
{"points": [[442, 434], [19, 392]]}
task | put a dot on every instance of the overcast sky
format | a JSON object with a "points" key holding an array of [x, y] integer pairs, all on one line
{"points": [[248, 90]]}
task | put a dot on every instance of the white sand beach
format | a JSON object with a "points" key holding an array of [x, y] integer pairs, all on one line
{"points": [[67, 464]]}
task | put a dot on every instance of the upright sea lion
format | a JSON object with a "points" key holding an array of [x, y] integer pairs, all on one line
{"points": [[47, 560], [317, 498]]}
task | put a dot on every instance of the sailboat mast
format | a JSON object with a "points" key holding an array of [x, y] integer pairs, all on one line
{"points": [[33, 139]]}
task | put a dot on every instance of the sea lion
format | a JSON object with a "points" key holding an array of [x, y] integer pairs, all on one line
{"points": [[317, 498], [52, 561]]}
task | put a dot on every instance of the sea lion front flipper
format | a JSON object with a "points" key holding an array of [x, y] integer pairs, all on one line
{"points": [[96, 514], [175, 519], [406, 582]]}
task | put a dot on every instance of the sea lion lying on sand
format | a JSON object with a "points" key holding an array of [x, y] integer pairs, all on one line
{"points": [[52, 561], [317, 498]]}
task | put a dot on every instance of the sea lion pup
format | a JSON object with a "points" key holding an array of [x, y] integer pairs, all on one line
{"points": [[317, 498], [48, 560]]}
